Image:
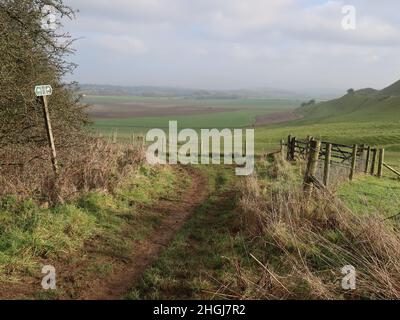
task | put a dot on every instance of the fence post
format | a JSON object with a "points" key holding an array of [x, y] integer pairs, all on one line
{"points": [[380, 163], [367, 159], [362, 156], [353, 162], [327, 168], [293, 149], [373, 161], [289, 144], [315, 147], [309, 138]]}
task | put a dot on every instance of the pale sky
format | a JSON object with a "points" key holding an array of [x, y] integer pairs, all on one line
{"points": [[233, 44]]}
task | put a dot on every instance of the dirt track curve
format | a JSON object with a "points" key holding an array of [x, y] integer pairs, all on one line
{"points": [[146, 252]]}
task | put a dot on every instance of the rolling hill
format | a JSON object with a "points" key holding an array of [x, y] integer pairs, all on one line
{"points": [[361, 105], [152, 91], [392, 90]]}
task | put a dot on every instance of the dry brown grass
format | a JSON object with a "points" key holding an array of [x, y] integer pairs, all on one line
{"points": [[94, 164], [302, 244]]}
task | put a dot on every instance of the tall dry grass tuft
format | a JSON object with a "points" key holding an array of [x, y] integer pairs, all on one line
{"points": [[94, 164], [302, 244]]}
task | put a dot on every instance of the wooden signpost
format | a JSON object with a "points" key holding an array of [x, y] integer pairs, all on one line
{"points": [[42, 92]]}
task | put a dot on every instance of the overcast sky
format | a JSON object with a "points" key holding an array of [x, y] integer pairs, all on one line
{"points": [[231, 44]]}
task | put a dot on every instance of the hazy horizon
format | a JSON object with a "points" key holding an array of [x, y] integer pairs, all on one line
{"points": [[318, 93], [299, 46]]}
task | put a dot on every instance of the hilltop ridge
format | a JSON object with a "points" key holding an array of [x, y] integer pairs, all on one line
{"points": [[363, 105]]}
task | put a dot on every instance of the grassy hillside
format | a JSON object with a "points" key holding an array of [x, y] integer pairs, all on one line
{"points": [[362, 105], [392, 90], [353, 107]]}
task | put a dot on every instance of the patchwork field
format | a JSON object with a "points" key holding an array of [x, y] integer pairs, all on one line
{"points": [[128, 114], [272, 119]]}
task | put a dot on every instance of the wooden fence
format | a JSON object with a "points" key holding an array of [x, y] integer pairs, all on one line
{"points": [[355, 158]]}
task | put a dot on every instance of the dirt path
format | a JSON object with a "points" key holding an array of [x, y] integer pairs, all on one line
{"points": [[124, 277], [201, 262]]}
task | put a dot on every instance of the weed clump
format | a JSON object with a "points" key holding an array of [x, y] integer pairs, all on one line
{"points": [[304, 243]]}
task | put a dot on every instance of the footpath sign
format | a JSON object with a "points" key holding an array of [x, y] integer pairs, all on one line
{"points": [[42, 92]]}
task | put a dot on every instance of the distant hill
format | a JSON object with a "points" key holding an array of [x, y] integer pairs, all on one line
{"points": [[361, 105], [147, 91], [150, 91], [367, 91]]}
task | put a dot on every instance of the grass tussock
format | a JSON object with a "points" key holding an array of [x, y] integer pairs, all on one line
{"points": [[94, 164], [300, 245]]}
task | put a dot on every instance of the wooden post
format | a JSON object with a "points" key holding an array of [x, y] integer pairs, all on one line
{"points": [[381, 161], [327, 168], [373, 161], [307, 147], [391, 169], [315, 147], [367, 159], [115, 134], [362, 155], [50, 134], [353, 162], [289, 148], [293, 149]]}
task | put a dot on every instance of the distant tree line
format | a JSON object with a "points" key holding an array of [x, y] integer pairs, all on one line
{"points": [[309, 103]]}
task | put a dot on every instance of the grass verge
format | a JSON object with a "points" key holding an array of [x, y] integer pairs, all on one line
{"points": [[67, 235]]}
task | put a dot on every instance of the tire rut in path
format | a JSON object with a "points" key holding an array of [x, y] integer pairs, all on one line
{"points": [[147, 251]]}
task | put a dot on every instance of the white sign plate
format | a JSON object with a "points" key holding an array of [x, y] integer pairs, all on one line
{"points": [[45, 90]]}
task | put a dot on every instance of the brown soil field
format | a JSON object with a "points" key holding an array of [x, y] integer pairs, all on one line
{"points": [[276, 117], [130, 110]]}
